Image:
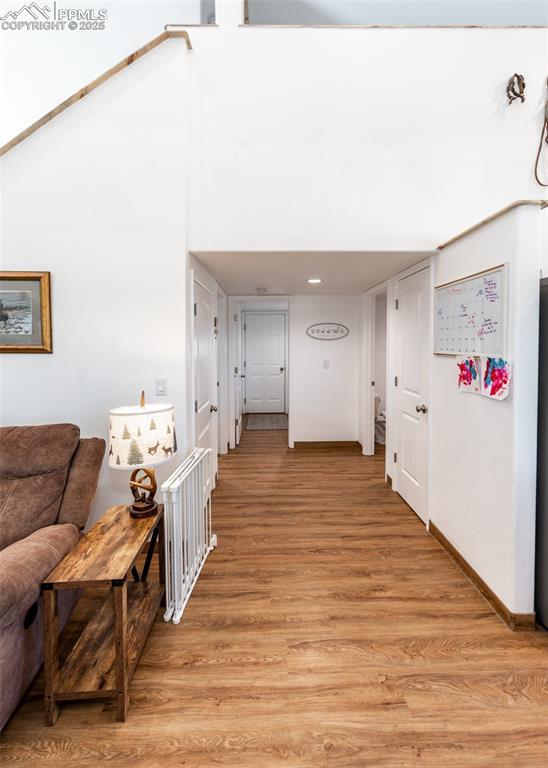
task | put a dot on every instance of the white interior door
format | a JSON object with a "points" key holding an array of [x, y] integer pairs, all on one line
{"points": [[413, 366], [265, 366], [204, 370]]}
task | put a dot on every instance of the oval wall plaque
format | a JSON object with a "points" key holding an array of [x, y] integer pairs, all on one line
{"points": [[327, 331]]}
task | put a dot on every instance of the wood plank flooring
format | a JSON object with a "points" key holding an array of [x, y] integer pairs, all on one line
{"points": [[327, 630]]}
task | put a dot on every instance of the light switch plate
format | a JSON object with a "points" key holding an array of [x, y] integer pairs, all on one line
{"points": [[160, 387], [326, 363]]}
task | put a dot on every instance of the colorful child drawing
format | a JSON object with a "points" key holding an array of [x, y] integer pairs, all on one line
{"points": [[496, 377], [469, 378]]}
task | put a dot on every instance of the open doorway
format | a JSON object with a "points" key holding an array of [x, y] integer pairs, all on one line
{"points": [[259, 359], [265, 368], [380, 369]]}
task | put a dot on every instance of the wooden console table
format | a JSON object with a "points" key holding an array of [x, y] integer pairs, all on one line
{"points": [[104, 658]]}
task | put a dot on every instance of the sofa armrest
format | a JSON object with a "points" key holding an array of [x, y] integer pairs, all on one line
{"points": [[82, 482], [26, 563]]}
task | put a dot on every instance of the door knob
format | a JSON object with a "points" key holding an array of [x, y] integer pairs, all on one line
{"points": [[282, 369], [213, 409], [421, 408]]}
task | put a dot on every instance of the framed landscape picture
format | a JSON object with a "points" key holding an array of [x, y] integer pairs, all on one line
{"points": [[25, 312]]}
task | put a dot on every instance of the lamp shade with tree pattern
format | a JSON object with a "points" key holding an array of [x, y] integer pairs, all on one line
{"points": [[141, 436]]}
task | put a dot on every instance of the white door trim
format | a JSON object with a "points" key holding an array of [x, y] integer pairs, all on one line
{"points": [[222, 370], [233, 329]]}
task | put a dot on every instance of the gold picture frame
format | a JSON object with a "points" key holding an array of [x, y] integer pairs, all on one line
{"points": [[25, 312]]}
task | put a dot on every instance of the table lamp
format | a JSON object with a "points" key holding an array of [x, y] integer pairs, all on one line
{"points": [[141, 436]]}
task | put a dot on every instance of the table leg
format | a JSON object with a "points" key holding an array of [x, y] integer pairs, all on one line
{"points": [[150, 553], [51, 655], [120, 634], [161, 559]]}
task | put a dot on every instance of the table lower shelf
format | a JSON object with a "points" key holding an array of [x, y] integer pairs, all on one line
{"points": [[90, 669]]}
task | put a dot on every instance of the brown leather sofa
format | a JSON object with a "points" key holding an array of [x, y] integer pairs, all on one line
{"points": [[48, 479]]}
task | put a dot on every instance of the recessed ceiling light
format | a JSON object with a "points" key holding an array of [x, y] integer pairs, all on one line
{"points": [[314, 280]]}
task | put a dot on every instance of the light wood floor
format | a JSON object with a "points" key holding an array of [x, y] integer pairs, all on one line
{"points": [[328, 629]]}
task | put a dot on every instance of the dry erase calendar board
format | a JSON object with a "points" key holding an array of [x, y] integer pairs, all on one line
{"points": [[470, 315]]}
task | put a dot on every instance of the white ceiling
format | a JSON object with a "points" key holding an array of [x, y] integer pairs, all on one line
{"points": [[285, 272]]}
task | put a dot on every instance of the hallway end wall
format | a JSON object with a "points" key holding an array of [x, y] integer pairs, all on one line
{"points": [[323, 400]]}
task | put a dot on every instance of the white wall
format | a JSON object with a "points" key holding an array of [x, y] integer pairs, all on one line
{"points": [[379, 368], [39, 69], [483, 452], [295, 145], [95, 198], [323, 403], [397, 12], [298, 147]]}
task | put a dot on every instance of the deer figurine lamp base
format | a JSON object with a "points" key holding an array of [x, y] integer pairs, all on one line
{"points": [[143, 492], [141, 436]]}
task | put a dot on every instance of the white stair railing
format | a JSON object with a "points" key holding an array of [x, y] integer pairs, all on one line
{"points": [[187, 529]]}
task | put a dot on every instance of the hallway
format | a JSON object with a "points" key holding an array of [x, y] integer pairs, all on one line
{"points": [[327, 629]]}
